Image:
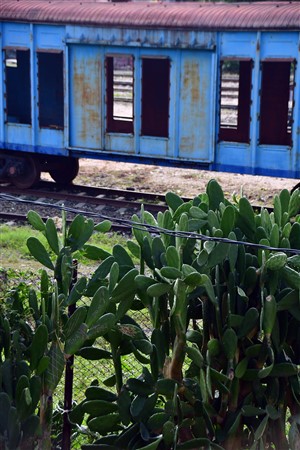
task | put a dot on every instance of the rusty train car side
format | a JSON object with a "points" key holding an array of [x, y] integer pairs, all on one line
{"points": [[206, 85]]}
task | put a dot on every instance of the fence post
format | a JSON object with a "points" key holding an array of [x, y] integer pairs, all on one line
{"points": [[69, 373]]}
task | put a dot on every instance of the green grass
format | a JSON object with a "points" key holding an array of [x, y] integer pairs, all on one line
{"points": [[19, 269], [13, 239], [108, 240], [14, 252]]}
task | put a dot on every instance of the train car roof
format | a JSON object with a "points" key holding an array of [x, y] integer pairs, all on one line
{"points": [[169, 15]]}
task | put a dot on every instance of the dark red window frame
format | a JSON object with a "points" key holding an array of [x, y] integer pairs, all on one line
{"points": [[112, 124], [18, 86], [51, 89], [155, 96], [274, 107], [240, 132]]}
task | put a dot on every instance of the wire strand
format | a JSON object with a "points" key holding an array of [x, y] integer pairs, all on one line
{"points": [[149, 228]]}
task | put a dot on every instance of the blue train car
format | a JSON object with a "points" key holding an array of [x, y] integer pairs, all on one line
{"points": [[207, 85]]}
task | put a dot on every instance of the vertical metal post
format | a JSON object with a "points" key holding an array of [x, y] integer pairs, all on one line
{"points": [[69, 373]]}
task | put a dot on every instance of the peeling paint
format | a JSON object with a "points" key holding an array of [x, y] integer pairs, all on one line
{"points": [[85, 97]]}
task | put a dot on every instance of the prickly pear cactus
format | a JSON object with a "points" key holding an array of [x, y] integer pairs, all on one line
{"points": [[220, 284], [19, 390], [221, 367], [33, 351]]}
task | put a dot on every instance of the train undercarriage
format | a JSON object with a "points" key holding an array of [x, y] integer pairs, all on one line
{"points": [[24, 171]]}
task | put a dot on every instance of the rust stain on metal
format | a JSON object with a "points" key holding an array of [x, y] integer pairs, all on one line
{"points": [[88, 94], [191, 80], [196, 15], [190, 102]]}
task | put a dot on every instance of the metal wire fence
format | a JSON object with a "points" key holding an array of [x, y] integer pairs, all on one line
{"points": [[86, 372]]}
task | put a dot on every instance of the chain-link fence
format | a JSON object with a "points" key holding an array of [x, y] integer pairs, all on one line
{"points": [[79, 372], [86, 372]]}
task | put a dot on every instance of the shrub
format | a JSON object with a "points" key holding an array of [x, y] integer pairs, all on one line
{"points": [[220, 284], [221, 287]]}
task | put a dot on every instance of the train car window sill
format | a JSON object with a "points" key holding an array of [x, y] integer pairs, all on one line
{"points": [[18, 124], [274, 147], [116, 133], [231, 143], [52, 127], [155, 138]]}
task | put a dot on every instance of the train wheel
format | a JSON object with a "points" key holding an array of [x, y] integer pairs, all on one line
{"points": [[297, 186], [30, 176], [66, 172]]}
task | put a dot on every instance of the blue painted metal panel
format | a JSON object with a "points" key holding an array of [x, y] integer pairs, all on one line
{"points": [[44, 149], [118, 142], [279, 45], [50, 138], [271, 160], [237, 44], [141, 38], [234, 154], [17, 133], [195, 125], [274, 157], [154, 146], [85, 96], [16, 35], [257, 171], [255, 99], [49, 37]]}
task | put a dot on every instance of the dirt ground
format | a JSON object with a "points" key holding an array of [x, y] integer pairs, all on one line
{"points": [[186, 182]]}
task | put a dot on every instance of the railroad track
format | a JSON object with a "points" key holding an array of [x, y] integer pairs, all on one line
{"points": [[113, 203], [116, 203], [22, 218], [89, 195]]}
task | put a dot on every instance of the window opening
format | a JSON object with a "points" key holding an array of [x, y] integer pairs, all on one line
{"points": [[17, 76], [51, 90], [155, 97], [291, 99], [119, 93], [277, 101], [235, 100]]}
